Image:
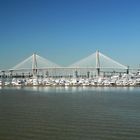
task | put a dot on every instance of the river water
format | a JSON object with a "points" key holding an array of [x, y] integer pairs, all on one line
{"points": [[73, 113]]}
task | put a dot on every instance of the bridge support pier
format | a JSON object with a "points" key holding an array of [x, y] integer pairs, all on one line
{"points": [[76, 74], [127, 71], [34, 66], [97, 63], [98, 71]]}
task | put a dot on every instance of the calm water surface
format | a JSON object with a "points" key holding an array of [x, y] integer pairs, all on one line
{"points": [[69, 113]]}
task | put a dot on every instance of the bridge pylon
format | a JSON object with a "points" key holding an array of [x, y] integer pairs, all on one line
{"points": [[34, 65], [97, 63]]}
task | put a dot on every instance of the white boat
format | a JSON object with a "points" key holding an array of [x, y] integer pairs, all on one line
{"points": [[106, 83], [6, 83], [119, 83], [35, 82], [1, 83], [18, 83]]}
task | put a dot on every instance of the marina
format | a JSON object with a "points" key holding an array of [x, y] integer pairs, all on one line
{"points": [[94, 70], [124, 80]]}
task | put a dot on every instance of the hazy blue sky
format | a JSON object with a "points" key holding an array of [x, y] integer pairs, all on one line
{"points": [[65, 31]]}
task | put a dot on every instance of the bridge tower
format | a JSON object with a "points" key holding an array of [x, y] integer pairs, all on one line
{"points": [[97, 63], [34, 65], [127, 70]]}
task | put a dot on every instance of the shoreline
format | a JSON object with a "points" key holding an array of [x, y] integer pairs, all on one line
{"points": [[70, 86]]}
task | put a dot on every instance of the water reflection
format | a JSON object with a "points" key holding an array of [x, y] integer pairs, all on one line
{"points": [[75, 89], [78, 89]]}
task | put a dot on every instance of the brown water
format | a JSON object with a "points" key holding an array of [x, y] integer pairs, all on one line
{"points": [[70, 113]]}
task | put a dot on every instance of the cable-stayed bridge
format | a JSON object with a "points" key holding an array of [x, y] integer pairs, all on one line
{"points": [[35, 62], [94, 64], [98, 60]]}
